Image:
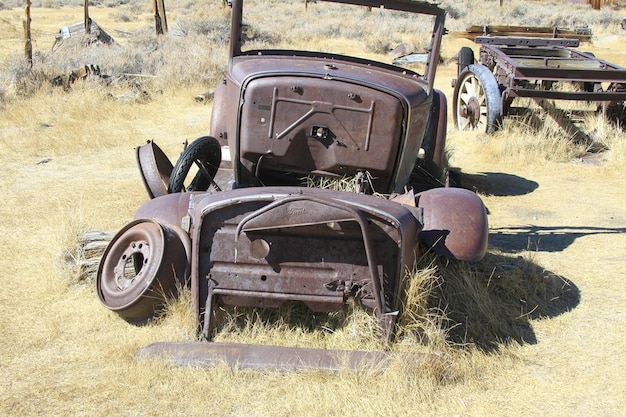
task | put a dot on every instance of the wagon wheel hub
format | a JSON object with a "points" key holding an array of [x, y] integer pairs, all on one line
{"points": [[471, 111]]}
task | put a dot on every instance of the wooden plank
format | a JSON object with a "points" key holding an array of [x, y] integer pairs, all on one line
{"points": [[582, 34], [557, 63]]}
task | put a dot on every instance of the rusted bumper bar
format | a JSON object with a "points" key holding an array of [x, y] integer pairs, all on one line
{"points": [[275, 358]]}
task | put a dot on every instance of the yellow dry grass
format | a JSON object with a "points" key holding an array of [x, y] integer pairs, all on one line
{"points": [[515, 338]]}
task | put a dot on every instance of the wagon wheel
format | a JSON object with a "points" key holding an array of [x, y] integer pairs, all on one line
{"points": [[466, 58], [206, 154], [477, 100]]}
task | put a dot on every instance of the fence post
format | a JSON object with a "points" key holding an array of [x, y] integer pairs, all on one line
{"points": [[161, 7], [160, 21], [157, 18], [28, 47], [87, 21]]}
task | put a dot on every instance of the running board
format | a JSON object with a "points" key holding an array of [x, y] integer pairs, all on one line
{"points": [[277, 358]]}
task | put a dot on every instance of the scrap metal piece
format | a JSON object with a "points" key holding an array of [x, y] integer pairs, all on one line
{"points": [[406, 199], [155, 169], [169, 208], [276, 358]]}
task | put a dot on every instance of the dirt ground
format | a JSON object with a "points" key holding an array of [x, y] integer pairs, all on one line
{"points": [[571, 216]]}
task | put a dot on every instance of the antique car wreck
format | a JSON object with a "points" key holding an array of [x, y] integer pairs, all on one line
{"points": [[287, 119]]}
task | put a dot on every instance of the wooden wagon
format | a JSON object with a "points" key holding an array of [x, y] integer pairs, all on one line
{"points": [[539, 68]]}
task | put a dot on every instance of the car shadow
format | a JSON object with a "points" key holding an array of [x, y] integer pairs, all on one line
{"points": [[497, 184], [494, 301], [483, 304], [516, 239]]}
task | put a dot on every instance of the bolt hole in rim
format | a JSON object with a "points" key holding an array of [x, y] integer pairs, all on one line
{"points": [[141, 268], [132, 269]]}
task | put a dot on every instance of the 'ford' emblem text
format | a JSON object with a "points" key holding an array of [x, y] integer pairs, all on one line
{"points": [[295, 210]]}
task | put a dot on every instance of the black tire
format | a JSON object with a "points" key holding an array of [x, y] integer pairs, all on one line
{"points": [[477, 100], [466, 58], [206, 153]]}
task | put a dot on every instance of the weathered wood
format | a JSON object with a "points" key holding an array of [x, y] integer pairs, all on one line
{"points": [[87, 20], [67, 32], [161, 8], [28, 47], [582, 34], [83, 259], [158, 25]]}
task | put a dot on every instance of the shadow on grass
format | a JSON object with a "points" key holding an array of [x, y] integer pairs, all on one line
{"points": [[482, 304], [545, 239], [494, 301]]}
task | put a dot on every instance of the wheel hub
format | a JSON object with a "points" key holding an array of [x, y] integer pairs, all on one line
{"points": [[471, 111]]}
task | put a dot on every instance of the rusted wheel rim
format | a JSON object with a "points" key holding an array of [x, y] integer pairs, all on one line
{"points": [[140, 269]]}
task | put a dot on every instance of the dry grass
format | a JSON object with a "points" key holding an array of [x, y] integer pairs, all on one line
{"points": [[536, 139], [508, 335]]}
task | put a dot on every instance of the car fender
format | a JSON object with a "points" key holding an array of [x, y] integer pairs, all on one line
{"points": [[455, 223]]}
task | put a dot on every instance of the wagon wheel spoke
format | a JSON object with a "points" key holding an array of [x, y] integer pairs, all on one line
{"points": [[463, 124], [465, 97]]}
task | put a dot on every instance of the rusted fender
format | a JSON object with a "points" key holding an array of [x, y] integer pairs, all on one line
{"points": [[155, 169], [276, 358], [169, 208], [455, 223]]}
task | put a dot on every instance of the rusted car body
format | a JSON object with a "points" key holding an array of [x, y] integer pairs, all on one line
{"points": [[285, 116], [301, 113]]}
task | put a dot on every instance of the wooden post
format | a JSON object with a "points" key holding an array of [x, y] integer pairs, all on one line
{"points": [[596, 4], [28, 47], [161, 8], [87, 21], [157, 18]]}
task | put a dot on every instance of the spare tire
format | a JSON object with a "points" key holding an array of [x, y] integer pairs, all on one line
{"points": [[206, 153]]}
